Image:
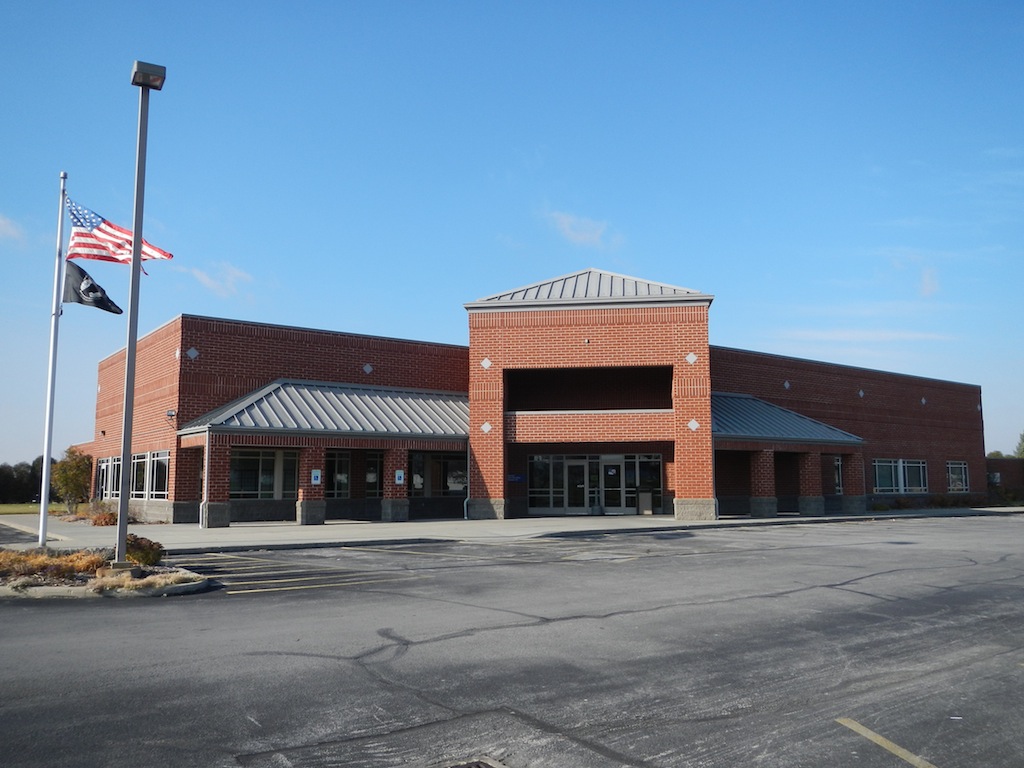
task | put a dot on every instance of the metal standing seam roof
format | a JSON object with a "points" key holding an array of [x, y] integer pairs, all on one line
{"points": [[304, 406], [744, 417], [589, 286], [349, 409]]}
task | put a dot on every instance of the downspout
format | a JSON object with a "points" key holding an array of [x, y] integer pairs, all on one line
{"points": [[205, 503], [465, 503]]}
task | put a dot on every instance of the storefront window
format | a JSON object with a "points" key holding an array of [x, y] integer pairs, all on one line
{"points": [[264, 474], [337, 472], [956, 477], [159, 473], [374, 475], [900, 476], [437, 474]]}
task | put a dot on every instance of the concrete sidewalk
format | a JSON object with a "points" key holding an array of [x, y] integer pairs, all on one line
{"points": [[187, 538]]}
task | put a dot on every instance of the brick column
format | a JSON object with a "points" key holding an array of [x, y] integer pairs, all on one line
{"points": [[486, 416], [694, 466], [311, 506], [855, 500], [811, 501], [394, 507], [763, 502], [185, 484], [215, 509]]}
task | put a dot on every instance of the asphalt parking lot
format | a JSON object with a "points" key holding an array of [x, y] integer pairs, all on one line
{"points": [[325, 568], [874, 644], [10, 536]]}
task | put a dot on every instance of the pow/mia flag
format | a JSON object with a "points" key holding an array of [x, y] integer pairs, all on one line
{"points": [[82, 289]]}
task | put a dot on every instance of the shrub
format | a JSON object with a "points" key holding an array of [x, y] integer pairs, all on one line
{"points": [[142, 550], [102, 512]]}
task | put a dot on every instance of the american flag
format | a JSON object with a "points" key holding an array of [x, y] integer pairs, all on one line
{"points": [[93, 237]]}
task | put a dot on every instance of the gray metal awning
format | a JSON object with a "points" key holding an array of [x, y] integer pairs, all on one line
{"points": [[744, 417], [586, 288], [341, 409], [289, 406]]}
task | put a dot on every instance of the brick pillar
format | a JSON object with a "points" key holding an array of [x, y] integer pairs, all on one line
{"points": [[763, 502], [185, 484], [693, 469], [311, 506], [486, 416], [811, 501], [215, 509], [855, 501], [394, 507]]}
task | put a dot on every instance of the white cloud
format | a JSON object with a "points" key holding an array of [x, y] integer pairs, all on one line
{"points": [[579, 230], [9, 230], [226, 280]]}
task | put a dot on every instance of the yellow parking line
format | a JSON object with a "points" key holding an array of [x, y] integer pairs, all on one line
{"points": [[900, 752], [317, 586]]}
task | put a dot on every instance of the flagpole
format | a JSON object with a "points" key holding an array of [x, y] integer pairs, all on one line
{"points": [[58, 292]]}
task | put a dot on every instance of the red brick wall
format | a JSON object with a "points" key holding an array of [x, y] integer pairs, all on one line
{"points": [[156, 384], [899, 416], [156, 381], [591, 338], [236, 358]]}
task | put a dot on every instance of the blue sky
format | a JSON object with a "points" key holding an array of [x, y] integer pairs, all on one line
{"points": [[846, 178]]}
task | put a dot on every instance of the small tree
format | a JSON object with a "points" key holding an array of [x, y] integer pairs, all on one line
{"points": [[1019, 453], [72, 477]]}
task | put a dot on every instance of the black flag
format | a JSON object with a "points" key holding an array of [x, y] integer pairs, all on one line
{"points": [[82, 289]]}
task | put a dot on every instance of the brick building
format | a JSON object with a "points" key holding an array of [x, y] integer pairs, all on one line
{"points": [[1006, 479], [591, 393]]}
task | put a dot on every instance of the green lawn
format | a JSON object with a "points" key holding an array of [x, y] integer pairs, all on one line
{"points": [[28, 509]]}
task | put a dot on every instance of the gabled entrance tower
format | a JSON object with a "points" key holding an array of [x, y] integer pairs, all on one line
{"points": [[590, 394]]}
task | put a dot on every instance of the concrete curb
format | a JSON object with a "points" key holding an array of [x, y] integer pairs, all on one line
{"points": [[59, 592]]}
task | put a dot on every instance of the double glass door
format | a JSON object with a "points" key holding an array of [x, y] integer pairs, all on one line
{"points": [[590, 484]]}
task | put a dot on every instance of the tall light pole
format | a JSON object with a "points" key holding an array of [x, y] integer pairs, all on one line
{"points": [[147, 77]]}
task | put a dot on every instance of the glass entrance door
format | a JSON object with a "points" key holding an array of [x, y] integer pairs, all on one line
{"points": [[576, 491], [611, 486]]}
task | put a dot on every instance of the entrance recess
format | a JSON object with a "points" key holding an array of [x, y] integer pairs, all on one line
{"points": [[593, 484]]}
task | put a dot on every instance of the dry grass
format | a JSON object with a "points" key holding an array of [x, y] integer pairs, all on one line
{"points": [[152, 581], [47, 566], [96, 513]]}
